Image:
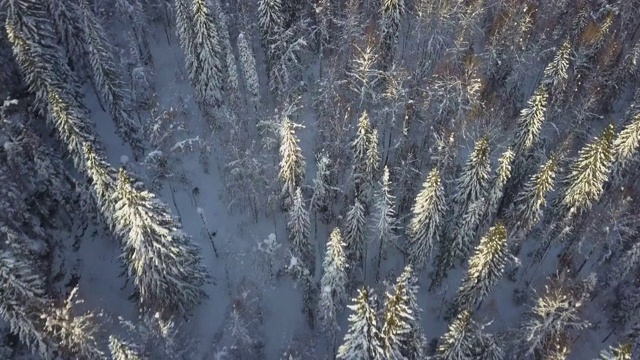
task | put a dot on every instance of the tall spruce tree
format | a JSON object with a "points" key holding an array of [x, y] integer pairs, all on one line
{"points": [[249, 70], [627, 143], [298, 225], [292, 162], [362, 182], [384, 223], [165, 263], [22, 300], [333, 283], [424, 230], [496, 191], [588, 173], [354, 232], [185, 31], [473, 182], [362, 340], [486, 267], [526, 210], [271, 20], [206, 48], [106, 77]]}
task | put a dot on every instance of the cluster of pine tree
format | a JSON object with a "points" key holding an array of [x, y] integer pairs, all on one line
{"points": [[499, 139]]}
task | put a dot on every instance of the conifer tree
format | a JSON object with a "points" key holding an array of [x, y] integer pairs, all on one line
{"points": [[103, 178], [372, 161], [362, 340], [455, 343], [400, 335], [248, 64], [502, 176], [106, 77], [555, 74], [166, 265], [22, 300], [185, 31], [320, 200], [76, 335], [333, 282], [545, 324], [230, 58], [620, 352], [384, 217], [121, 350], [360, 147], [486, 267], [473, 182], [424, 230], [355, 232], [207, 51], [529, 124], [413, 347], [292, 162], [526, 210], [391, 14], [589, 172], [69, 29], [298, 225], [41, 62], [627, 143], [271, 23]]}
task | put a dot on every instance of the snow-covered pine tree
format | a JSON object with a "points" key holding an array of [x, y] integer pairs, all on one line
{"points": [[415, 344], [486, 267], [248, 64], [165, 263], [322, 189], [473, 182], [271, 21], [502, 176], [292, 162], [458, 245], [103, 181], [455, 343], [108, 82], [360, 147], [76, 335], [526, 209], [627, 143], [391, 12], [41, 62], [424, 230], [185, 31], [354, 229], [588, 173], [22, 300], [528, 129], [207, 51], [70, 124], [121, 350], [372, 161], [230, 58], [400, 335], [545, 324], [68, 27], [333, 282], [362, 340], [298, 224], [384, 223], [555, 74], [619, 352]]}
